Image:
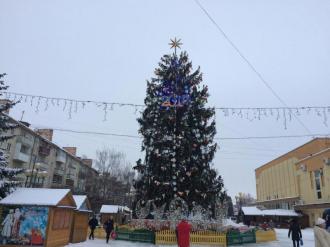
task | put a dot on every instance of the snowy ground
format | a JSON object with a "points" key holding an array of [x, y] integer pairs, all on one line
{"points": [[282, 236]]}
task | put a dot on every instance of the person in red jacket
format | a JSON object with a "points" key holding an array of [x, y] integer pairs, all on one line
{"points": [[183, 233]]}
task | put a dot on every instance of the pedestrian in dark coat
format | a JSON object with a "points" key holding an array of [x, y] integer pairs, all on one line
{"points": [[295, 233], [326, 217], [93, 223], [108, 227]]}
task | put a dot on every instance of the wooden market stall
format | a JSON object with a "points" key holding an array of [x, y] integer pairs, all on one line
{"points": [[81, 215], [36, 217], [120, 214], [278, 218]]}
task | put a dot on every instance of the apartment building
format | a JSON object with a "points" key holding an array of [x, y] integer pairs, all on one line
{"points": [[45, 163], [299, 179]]}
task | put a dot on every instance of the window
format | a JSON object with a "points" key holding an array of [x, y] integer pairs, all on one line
{"points": [[24, 149], [317, 175], [69, 182], [57, 179], [61, 219], [8, 146]]}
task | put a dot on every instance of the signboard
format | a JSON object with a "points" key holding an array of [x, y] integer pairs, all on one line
{"points": [[170, 98], [23, 225]]}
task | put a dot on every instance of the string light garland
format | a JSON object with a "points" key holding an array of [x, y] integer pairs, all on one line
{"points": [[71, 106]]}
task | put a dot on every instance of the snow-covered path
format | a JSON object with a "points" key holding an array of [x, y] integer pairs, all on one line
{"points": [[282, 236]]}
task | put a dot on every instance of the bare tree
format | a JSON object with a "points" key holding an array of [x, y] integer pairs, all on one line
{"points": [[243, 199], [115, 179]]}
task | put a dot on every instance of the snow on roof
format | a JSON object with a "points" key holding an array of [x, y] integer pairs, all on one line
{"points": [[110, 209], [79, 200], [268, 212], [35, 196], [251, 211]]}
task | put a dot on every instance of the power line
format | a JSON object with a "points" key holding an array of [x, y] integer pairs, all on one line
{"points": [[216, 138], [252, 67]]}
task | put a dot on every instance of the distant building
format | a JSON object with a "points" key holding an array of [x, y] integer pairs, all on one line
{"points": [[46, 164], [299, 179]]}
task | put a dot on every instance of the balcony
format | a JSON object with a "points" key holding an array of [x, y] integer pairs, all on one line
{"points": [[44, 150], [19, 156], [60, 157], [71, 176], [59, 170], [57, 180], [25, 140], [42, 166]]}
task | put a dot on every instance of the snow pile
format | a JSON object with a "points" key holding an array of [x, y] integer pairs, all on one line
{"points": [[229, 222]]}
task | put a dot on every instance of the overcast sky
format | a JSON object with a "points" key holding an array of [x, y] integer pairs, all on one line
{"points": [[106, 50]]}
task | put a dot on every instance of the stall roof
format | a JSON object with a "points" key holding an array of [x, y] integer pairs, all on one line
{"points": [[269, 212], [35, 196], [111, 209], [82, 203], [79, 200]]}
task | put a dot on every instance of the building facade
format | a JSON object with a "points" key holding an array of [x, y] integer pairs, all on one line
{"points": [[299, 179], [46, 164]]}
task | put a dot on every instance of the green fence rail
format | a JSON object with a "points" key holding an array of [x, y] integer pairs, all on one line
{"points": [[144, 236], [236, 238]]}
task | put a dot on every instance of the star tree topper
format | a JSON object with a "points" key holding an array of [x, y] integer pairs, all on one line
{"points": [[176, 43]]}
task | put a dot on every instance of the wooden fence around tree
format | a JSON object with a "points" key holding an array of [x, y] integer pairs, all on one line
{"points": [[265, 236], [200, 237]]}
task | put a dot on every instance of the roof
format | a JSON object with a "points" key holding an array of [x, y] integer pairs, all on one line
{"points": [[111, 209], [314, 155], [292, 151], [269, 212], [35, 196], [79, 200]]}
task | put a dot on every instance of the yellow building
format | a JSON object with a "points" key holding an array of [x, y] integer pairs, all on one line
{"points": [[299, 179]]}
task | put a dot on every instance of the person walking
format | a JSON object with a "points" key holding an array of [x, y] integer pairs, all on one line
{"points": [[108, 227], [183, 233], [321, 236], [93, 223], [295, 233], [326, 217]]}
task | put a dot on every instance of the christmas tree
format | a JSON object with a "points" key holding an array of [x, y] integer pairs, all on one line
{"points": [[178, 130], [8, 181]]}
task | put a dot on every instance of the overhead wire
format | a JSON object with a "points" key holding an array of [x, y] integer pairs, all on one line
{"points": [[252, 67], [216, 138]]}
